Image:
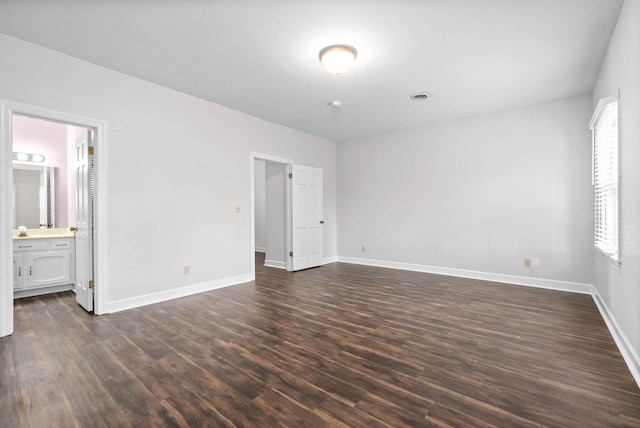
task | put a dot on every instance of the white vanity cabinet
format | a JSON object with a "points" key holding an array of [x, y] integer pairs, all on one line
{"points": [[43, 266], [18, 271]]}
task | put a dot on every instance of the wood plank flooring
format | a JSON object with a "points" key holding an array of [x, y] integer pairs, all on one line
{"points": [[340, 345]]}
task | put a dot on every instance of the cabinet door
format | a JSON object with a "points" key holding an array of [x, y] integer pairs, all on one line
{"points": [[18, 271], [48, 268]]}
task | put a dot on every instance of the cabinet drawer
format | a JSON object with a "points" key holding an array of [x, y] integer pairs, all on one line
{"points": [[59, 244], [30, 245]]}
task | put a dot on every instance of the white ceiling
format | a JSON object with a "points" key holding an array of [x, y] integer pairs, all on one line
{"points": [[261, 57]]}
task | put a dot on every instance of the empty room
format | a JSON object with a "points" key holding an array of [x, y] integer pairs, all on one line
{"points": [[338, 213]]}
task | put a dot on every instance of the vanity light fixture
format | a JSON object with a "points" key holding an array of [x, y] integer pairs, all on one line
{"points": [[28, 157], [338, 59]]}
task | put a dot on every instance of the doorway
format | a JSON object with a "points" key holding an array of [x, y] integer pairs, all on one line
{"points": [[97, 250], [298, 190], [49, 200], [270, 211]]}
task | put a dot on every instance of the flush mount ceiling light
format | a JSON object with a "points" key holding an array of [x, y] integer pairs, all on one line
{"points": [[338, 59]]}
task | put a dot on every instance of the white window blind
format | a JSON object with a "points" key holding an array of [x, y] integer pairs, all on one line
{"points": [[604, 127]]}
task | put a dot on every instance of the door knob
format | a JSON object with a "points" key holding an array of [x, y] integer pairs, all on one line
{"points": [[321, 221], [73, 229]]}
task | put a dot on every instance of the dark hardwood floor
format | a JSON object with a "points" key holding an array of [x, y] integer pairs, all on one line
{"points": [[340, 345]]}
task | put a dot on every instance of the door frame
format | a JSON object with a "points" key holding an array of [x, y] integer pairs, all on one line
{"points": [[253, 156], [7, 110]]}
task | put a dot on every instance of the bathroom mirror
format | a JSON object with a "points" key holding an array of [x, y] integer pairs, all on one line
{"points": [[34, 196]]}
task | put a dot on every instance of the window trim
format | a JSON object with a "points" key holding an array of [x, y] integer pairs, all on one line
{"points": [[615, 257]]}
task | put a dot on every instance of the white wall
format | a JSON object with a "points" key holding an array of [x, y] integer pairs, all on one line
{"points": [[177, 166], [275, 208], [477, 194], [259, 198], [620, 288]]}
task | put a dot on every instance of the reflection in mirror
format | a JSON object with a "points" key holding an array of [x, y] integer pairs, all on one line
{"points": [[34, 196]]}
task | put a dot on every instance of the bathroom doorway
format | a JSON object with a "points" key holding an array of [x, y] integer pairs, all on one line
{"points": [[81, 209], [57, 252], [52, 200]]}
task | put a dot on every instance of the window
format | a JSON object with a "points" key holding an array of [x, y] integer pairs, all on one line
{"points": [[604, 128]]}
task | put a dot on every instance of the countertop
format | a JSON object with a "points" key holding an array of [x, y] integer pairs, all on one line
{"points": [[62, 232]]}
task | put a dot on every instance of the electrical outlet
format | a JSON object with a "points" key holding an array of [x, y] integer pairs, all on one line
{"points": [[187, 269], [526, 262], [363, 248]]}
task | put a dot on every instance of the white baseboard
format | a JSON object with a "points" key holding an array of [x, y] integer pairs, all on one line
{"points": [[283, 265], [39, 291], [574, 287], [626, 349], [328, 260], [275, 264], [175, 293], [260, 250]]}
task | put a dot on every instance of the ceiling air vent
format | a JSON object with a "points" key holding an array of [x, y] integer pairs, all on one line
{"points": [[420, 96]]}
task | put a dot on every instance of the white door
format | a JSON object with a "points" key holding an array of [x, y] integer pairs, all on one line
{"points": [[306, 217], [84, 225]]}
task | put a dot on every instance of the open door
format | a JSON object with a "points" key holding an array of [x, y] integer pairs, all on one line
{"points": [[84, 222], [306, 217]]}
